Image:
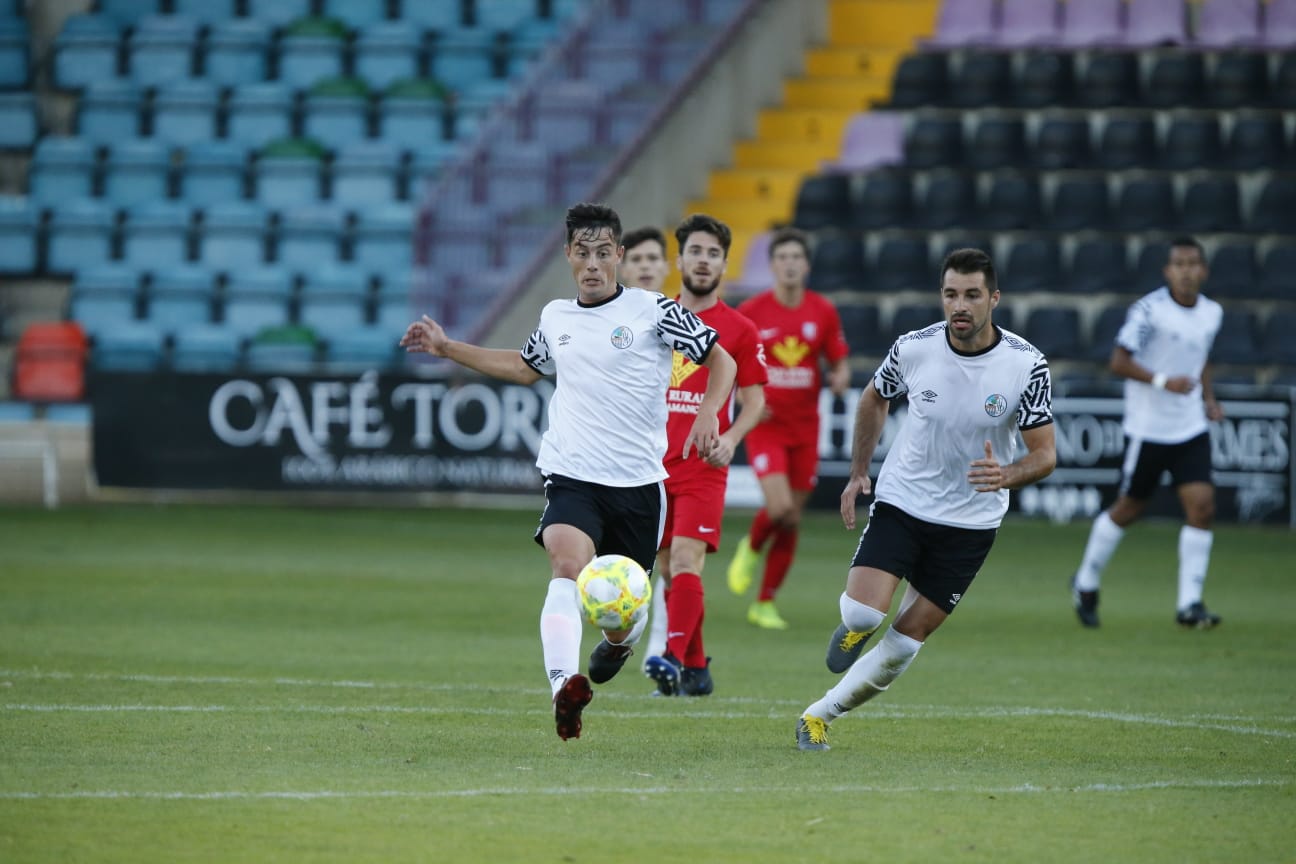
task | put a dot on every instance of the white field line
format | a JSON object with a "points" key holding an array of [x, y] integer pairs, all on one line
{"points": [[667, 712], [343, 794]]}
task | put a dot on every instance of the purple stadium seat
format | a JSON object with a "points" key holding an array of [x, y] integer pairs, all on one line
{"points": [[1027, 22], [1280, 24], [1223, 23], [1155, 22], [965, 22], [871, 139], [1092, 22], [756, 274]]}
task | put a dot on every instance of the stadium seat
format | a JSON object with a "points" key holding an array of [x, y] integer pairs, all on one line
{"points": [[1045, 79], [98, 312], [136, 170], [107, 280], [1106, 326], [236, 52], [1026, 23], [265, 283], [412, 114], [1176, 80], [330, 315], [1061, 142], [388, 52], [934, 141], [1257, 140], [336, 280], [1237, 342], [1227, 23], [981, 79], [49, 362], [311, 49], [365, 174], [914, 316], [281, 348], [205, 348], [1098, 266], [920, 80], [1274, 210], [335, 112], [1128, 140], [861, 324], [18, 223], [61, 169], [822, 201], [1079, 202], [1012, 202], [288, 173], [259, 113], [384, 237], [156, 234], [963, 23], [1146, 203], [232, 232], [1055, 331], [18, 126], [171, 312], [127, 12], [755, 275], [80, 235], [15, 36], [85, 51], [1279, 24], [355, 14], [1211, 204], [871, 139], [1151, 23], [210, 12], [1192, 141], [1108, 79], [559, 113], [946, 201], [838, 263], [1034, 263], [1277, 278], [1283, 89], [998, 141], [1233, 272], [245, 315], [368, 347], [1276, 342], [108, 110], [134, 346], [213, 172], [1092, 23], [461, 58], [1238, 78], [184, 112], [901, 265], [309, 236], [280, 13], [161, 50]]}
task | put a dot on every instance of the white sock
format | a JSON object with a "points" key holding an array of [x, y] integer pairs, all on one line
{"points": [[859, 617], [1104, 537], [657, 619], [636, 632], [560, 632], [871, 674], [1194, 558]]}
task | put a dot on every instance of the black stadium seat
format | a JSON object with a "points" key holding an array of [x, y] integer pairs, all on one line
{"points": [[1079, 202], [1062, 142], [1011, 202], [1098, 265], [838, 263], [997, 142], [885, 200], [1044, 79], [1176, 79], [1146, 203], [1211, 204], [920, 79], [902, 264], [823, 201], [1192, 141], [1128, 140], [1034, 264], [934, 141]]}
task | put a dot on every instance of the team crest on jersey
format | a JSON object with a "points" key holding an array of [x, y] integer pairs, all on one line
{"points": [[996, 405], [622, 337], [809, 330], [681, 369], [790, 351]]}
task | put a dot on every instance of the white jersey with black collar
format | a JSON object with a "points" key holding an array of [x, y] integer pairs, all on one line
{"points": [[607, 416], [1166, 337], [957, 402]]}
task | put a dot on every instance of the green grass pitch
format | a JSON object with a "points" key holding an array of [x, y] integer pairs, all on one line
{"points": [[240, 684]]}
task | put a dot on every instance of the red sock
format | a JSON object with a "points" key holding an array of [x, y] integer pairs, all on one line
{"points": [[683, 615], [760, 530], [779, 562]]}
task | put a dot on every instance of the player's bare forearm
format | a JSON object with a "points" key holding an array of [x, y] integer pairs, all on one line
{"points": [[839, 377], [870, 419], [1039, 461], [749, 416], [503, 363], [721, 370]]}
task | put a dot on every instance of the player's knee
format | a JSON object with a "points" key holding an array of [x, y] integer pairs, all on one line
{"points": [[1200, 515], [859, 617]]}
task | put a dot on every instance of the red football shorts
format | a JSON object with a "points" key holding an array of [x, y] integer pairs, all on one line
{"points": [[695, 499], [771, 453]]}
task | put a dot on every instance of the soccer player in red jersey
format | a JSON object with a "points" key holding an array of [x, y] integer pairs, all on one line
{"points": [[695, 490], [800, 330]]}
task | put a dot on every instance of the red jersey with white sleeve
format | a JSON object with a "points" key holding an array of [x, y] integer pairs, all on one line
{"points": [[688, 383], [796, 339]]}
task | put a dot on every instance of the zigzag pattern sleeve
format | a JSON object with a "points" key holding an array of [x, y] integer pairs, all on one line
{"points": [[888, 380], [1136, 330], [683, 331], [536, 354], [1036, 408]]}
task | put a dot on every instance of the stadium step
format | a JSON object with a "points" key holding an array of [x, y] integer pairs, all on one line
{"points": [[880, 22], [841, 61], [743, 213], [853, 93], [760, 184], [803, 155], [802, 124]]}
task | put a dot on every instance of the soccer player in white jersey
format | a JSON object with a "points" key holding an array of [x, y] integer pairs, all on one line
{"points": [[644, 266], [611, 349], [1162, 352], [971, 387]]}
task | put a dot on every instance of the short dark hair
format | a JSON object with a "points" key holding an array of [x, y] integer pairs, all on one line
{"points": [[706, 224], [970, 261], [1185, 241], [643, 235], [789, 235], [586, 217]]}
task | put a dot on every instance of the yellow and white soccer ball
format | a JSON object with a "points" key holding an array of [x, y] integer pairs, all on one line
{"points": [[614, 592]]}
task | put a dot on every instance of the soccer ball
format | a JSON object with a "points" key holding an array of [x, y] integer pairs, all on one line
{"points": [[614, 592]]}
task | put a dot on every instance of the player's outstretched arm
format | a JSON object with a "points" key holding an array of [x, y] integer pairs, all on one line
{"points": [[427, 336], [870, 419], [752, 398]]}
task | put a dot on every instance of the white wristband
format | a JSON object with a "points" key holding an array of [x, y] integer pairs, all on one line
{"points": [[1159, 380]]}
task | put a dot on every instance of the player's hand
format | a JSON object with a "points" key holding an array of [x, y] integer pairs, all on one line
{"points": [[425, 336], [1213, 410], [987, 475], [703, 436], [722, 454], [1181, 384], [855, 487]]}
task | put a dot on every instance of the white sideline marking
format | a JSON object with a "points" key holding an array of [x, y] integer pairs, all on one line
{"points": [[913, 713], [339, 794]]}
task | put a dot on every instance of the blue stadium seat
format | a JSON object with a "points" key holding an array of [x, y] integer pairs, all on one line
{"points": [[85, 51], [233, 234], [247, 314], [504, 15], [287, 180], [365, 174], [336, 113], [388, 52], [118, 280], [394, 315], [277, 13], [260, 113], [263, 282], [1274, 208], [127, 12], [237, 51], [136, 170], [109, 111], [213, 172], [1192, 141], [80, 235], [412, 116], [156, 234], [191, 279], [161, 50], [428, 163], [205, 11], [97, 313], [62, 169], [356, 14], [309, 236], [14, 60], [463, 57], [368, 347], [180, 297], [205, 348], [127, 346], [384, 237], [330, 315], [336, 280], [18, 222], [270, 357], [1128, 141], [307, 57], [184, 112], [441, 17]]}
